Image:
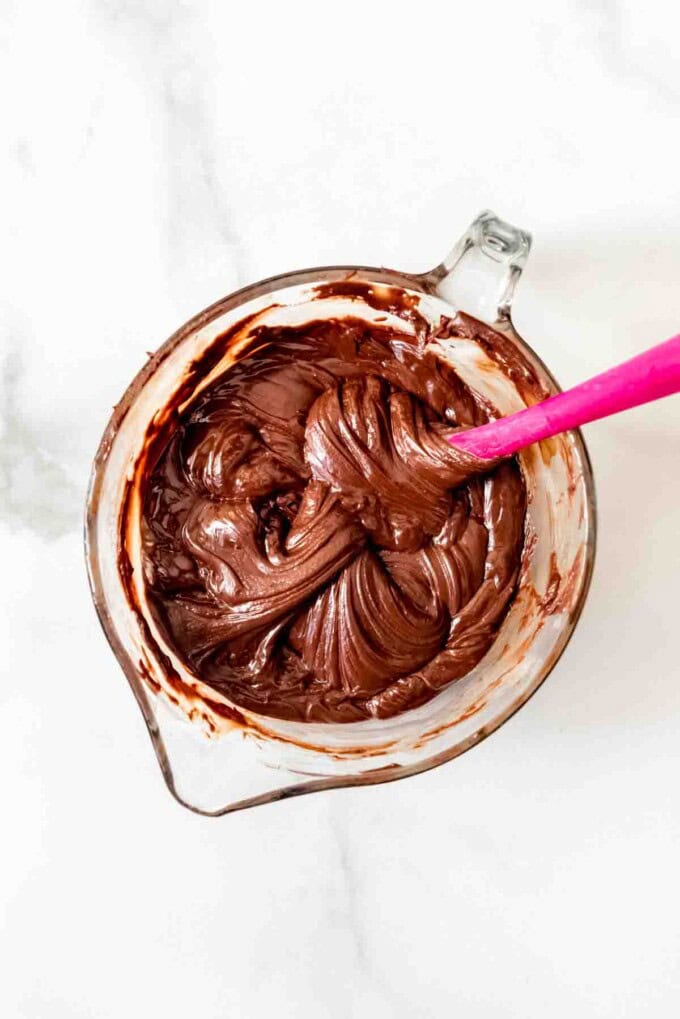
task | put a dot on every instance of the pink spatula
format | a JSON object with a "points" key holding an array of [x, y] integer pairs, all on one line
{"points": [[649, 376]]}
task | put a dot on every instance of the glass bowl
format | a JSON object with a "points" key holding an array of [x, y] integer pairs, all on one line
{"points": [[217, 757]]}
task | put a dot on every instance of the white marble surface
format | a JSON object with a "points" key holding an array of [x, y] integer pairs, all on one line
{"points": [[156, 156]]}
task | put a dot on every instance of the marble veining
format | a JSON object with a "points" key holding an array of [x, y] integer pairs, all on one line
{"points": [[37, 491]]}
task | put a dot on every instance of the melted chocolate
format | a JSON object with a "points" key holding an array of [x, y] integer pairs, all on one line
{"points": [[314, 547]]}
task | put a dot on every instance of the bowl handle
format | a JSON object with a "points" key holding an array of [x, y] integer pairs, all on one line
{"points": [[480, 273]]}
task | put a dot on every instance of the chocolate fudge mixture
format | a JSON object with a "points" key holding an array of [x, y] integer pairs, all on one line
{"points": [[314, 547]]}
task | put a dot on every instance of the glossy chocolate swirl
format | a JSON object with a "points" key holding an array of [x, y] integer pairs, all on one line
{"points": [[314, 547]]}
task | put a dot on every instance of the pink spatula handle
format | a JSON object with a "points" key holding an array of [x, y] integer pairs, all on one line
{"points": [[649, 376]]}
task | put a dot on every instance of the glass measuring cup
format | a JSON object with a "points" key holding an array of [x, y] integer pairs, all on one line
{"points": [[217, 757]]}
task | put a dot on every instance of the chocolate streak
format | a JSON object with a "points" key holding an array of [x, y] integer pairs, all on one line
{"points": [[314, 548]]}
